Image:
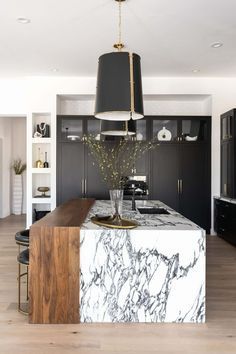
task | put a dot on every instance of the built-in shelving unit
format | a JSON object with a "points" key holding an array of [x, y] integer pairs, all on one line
{"points": [[39, 149]]}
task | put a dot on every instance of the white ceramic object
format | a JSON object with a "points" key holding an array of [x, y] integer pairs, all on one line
{"points": [[191, 138], [17, 195], [164, 135], [37, 135], [139, 136], [73, 137]]}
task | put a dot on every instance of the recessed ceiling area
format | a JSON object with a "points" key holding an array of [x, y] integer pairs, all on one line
{"points": [[65, 38]]}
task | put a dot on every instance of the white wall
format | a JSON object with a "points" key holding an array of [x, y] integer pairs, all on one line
{"points": [[5, 135], [18, 149], [13, 138], [1, 185], [20, 96]]}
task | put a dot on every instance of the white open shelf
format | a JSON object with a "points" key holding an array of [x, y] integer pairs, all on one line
{"points": [[41, 140], [41, 200], [40, 177], [41, 170]]}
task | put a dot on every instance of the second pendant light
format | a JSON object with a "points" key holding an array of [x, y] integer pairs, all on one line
{"points": [[118, 128]]}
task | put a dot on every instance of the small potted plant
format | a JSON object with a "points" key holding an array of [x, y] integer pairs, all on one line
{"points": [[18, 167]]}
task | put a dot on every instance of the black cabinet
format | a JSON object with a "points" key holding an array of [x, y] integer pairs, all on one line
{"points": [[77, 173], [165, 171], [70, 171], [181, 166], [195, 184], [227, 169], [180, 177], [227, 121], [178, 171], [228, 154], [94, 187], [225, 220]]}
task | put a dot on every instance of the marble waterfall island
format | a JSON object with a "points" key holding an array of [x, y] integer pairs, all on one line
{"points": [[154, 273]]}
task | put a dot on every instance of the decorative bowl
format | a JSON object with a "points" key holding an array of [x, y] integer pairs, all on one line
{"points": [[190, 138], [43, 190]]}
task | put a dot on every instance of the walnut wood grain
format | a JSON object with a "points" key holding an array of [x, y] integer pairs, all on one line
{"points": [[54, 270]]}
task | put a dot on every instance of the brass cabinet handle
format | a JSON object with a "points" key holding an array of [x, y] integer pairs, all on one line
{"points": [[225, 188], [82, 186], [178, 186], [85, 186], [181, 186]]}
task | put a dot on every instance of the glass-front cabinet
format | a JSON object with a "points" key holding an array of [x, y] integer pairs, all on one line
{"points": [[227, 125], [71, 129], [165, 129], [179, 129], [194, 129], [94, 128], [141, 129]]}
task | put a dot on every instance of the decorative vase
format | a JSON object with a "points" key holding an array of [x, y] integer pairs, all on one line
{"points": [[116, 196], [17, 195]]}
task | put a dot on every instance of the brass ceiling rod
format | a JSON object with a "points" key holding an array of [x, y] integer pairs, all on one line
{"points": [[119, 45]]}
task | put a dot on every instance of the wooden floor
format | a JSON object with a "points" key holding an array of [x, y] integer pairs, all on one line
{"points": [[217, 336]]}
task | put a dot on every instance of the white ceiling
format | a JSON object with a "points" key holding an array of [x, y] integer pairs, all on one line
{"points": [[173, 37]]}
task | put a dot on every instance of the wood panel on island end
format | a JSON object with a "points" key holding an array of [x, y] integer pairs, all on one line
{"points": [[54, 271]]}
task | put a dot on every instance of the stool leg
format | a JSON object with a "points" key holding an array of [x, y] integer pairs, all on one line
{"points": [[19, 283], [27, 279], [19, 289]]}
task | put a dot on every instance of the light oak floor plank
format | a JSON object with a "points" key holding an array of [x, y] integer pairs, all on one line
{"points": [[217, 336]]}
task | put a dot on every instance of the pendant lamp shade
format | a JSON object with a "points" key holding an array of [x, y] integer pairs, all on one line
{"points": [[119, 87], [118, 128]]}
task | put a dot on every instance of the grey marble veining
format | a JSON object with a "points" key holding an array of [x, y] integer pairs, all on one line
{"points": [[154, 273]]}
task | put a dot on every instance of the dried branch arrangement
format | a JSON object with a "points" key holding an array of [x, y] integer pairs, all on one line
{"points": [[116, 159], [18, 166]]}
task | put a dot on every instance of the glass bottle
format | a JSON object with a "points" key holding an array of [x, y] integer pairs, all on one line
{"points": [[46, 164], [39, 162]]}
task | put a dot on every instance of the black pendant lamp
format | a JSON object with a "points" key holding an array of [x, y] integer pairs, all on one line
{"points": [[119, 84]]}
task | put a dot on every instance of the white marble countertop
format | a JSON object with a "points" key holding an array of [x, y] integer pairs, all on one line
{"points": [[171, 221]]}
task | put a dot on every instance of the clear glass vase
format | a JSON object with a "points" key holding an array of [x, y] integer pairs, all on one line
{"points": [[116, 196]]}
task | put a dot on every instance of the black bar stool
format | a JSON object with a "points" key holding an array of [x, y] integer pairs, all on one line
{"points": [[22, 239]]}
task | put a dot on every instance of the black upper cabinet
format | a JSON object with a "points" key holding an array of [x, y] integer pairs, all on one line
{"points": [[227, 125], [172, 129], [228, 154]]}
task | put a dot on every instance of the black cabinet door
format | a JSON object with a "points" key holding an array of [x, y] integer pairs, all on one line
{"points": [[227, 169], [141, 166], [165, 174], [70, 183], [225, 220], [95, 187], [195, 185], [227, 125]]}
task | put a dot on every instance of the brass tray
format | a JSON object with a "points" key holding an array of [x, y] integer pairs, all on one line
{"points": [[114, 222]]}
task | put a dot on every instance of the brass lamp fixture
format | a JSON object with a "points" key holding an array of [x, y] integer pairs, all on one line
{"points": [[119, 84]]}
